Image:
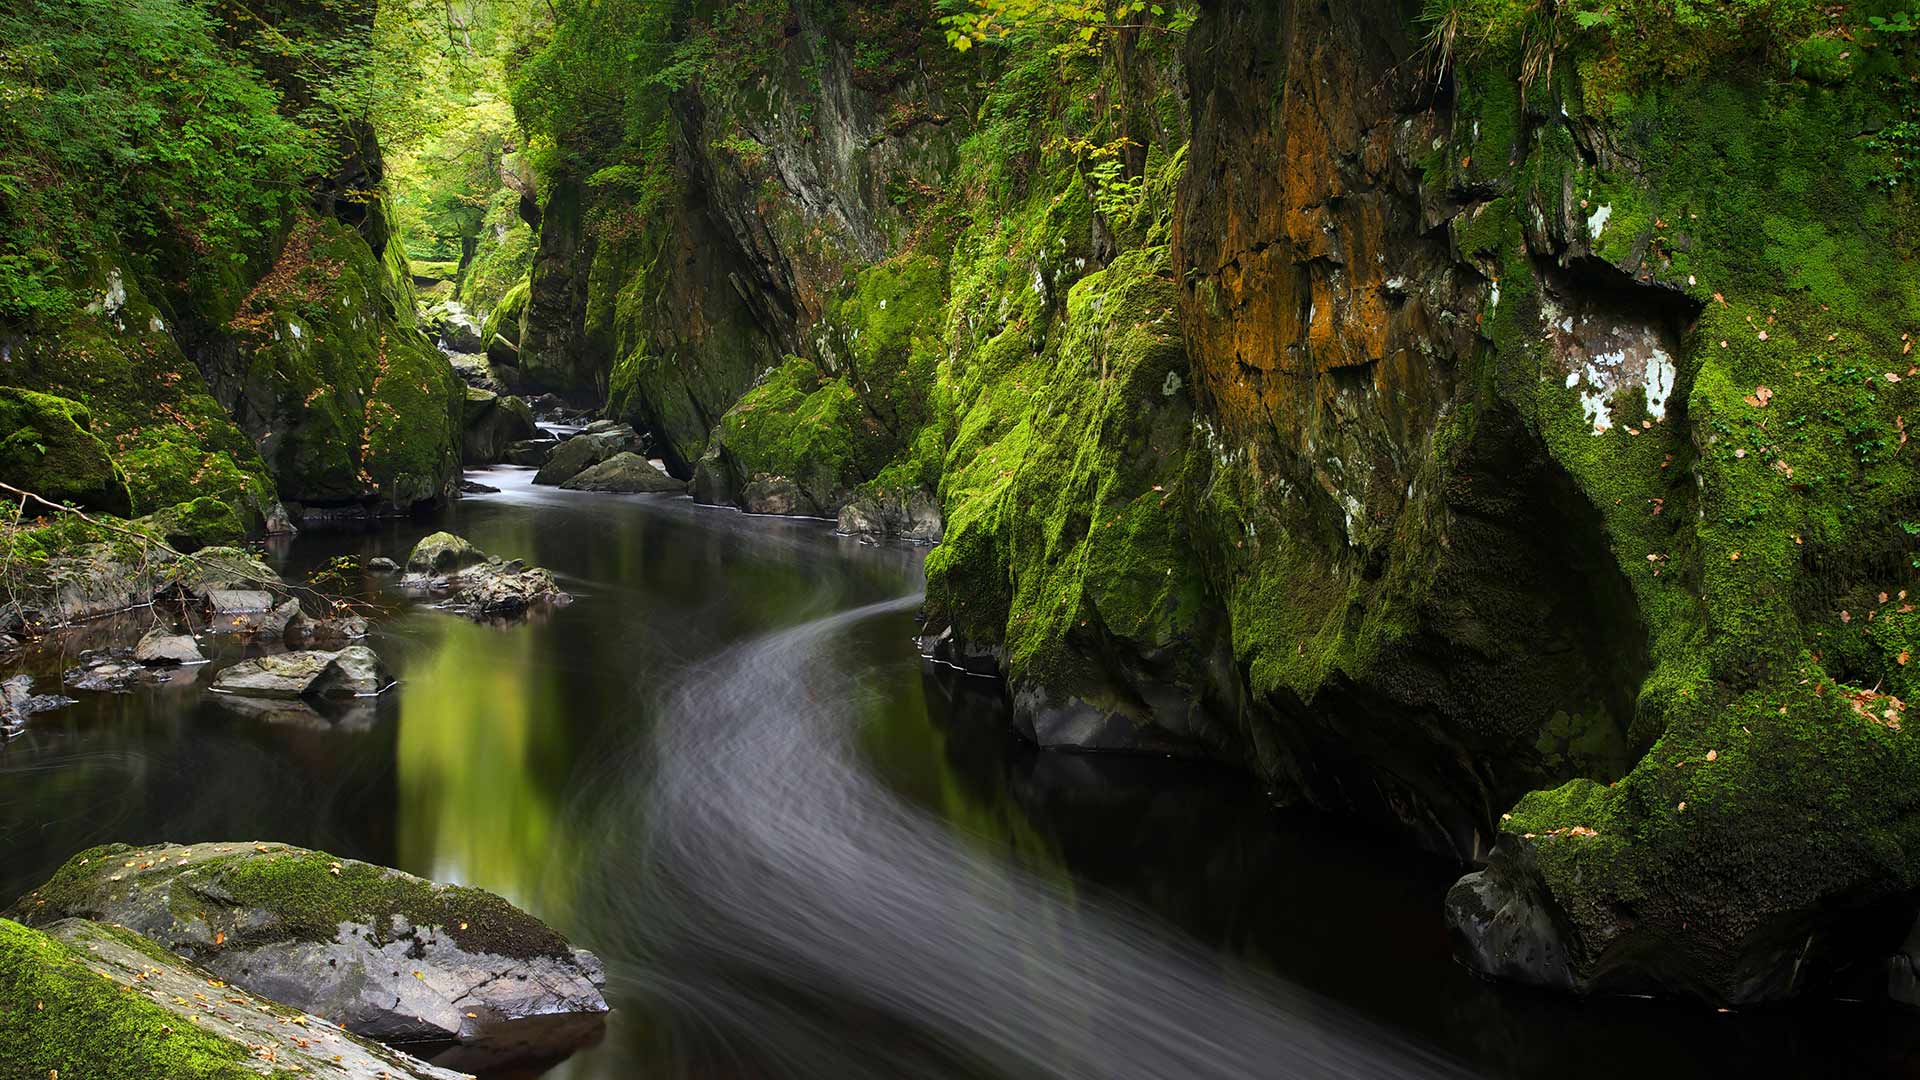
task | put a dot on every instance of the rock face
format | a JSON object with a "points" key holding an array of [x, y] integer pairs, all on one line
{"points": [[354, 671], [625, 472], [384, 954], [479, 585], [84, 999]]}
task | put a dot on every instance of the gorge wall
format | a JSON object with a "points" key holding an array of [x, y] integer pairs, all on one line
{"points": [[1489, 427]]}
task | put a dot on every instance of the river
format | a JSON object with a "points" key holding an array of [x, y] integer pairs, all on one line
{"points": [[804, 852]]}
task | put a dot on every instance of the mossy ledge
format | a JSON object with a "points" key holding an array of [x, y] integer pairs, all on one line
{"points": [[202, 899]]}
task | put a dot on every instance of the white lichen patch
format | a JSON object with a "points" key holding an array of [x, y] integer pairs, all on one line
{"points": [[1597, 222], [1604, 351], [111, 301]]}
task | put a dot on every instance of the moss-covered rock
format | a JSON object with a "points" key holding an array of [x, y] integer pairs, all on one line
{"points": [[49, 449], [386, 954], [353, 406], [196, 524], [83, 999], [149, 403]]}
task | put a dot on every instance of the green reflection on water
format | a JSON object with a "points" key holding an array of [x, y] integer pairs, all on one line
{"points": [[479, 720]]}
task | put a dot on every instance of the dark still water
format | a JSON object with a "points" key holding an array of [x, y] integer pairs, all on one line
{"points": [[802, 852]]}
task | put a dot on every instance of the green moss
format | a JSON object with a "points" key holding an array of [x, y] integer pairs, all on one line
{"points": [[304, 893], [504, 318], [58, 1016], [198, 523], [49, 449], [365, 408]]}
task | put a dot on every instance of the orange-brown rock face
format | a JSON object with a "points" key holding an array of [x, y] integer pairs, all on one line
{"points": [[1317, 301], [1422, 604]]}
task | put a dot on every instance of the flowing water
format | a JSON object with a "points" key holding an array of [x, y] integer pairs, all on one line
{"points": [[802, 852]]}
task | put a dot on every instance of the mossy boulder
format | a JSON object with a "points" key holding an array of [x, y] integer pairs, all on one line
{"points": [[625, 472], [354, 408], [385, 954], [49, 449], [149, 404], [199, 523], [795, 441], [442, 553], [504, 320], [85, 999]]}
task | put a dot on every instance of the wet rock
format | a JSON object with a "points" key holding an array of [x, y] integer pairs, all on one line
{"points": [[250, 613], [339, 628], [112, 1003], [503, 353], [1504, 929], [238, 601], [109, 672], [476, 584], [474, 487], [583, 451], [380, 564], [531, 452], [388, 955], [474, 370], [286, 675], [162, 647], [625, 472], [442, 553], [493, 424], [18, 701], [777, 495], [914, 516], [356, 671]]}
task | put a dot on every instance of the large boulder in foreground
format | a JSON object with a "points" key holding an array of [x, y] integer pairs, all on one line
{"points": [[387, 955], [47, 447], [83, 999], [626, 473]]}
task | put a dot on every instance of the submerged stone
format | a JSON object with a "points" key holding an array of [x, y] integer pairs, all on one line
{"points": [[387, 955], [110, 672]]}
